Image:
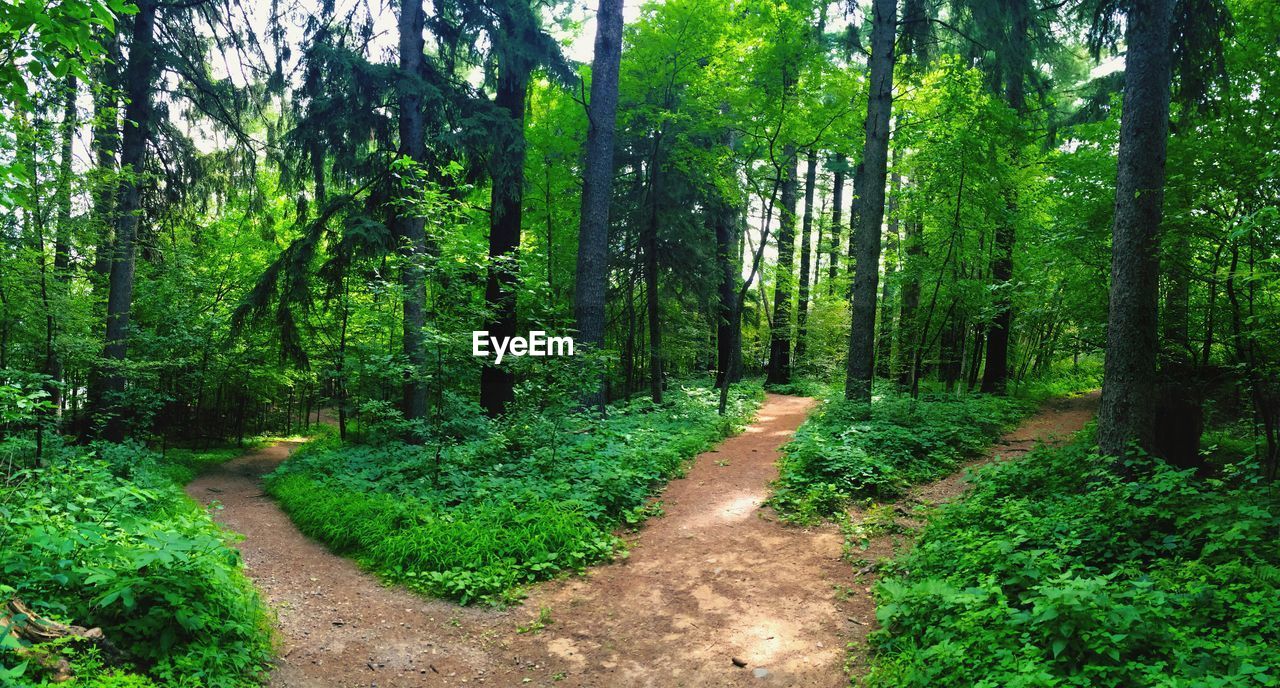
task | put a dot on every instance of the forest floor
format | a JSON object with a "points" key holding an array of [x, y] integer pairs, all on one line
{"points": [[714, 592]]}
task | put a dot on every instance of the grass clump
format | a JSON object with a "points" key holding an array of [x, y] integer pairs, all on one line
{"points": [[840, 454], [476, 519], [103, 537], [1064, 569]]}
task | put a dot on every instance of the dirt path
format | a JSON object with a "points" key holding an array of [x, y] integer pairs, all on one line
{"points": [[712, 581]]}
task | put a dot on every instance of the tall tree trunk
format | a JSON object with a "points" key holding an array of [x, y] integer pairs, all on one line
{"points": [[1180, 414], [62, 238], [139, 77], [837, 205], [995, 375], [806, 229], [653, 312], [410, 225], [888, 302], [875, 160], [780, 328], [106, 143], [1127, 410], [907, 334], [497, 383], [597, 186]]}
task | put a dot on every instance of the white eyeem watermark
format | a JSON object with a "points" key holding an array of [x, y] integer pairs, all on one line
{"points": [[536, 344]]}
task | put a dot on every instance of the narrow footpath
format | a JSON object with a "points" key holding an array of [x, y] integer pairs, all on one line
{"points": [[714, 592]]}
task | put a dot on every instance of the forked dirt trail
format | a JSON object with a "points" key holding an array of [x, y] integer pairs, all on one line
{"points": [[713, 583]]}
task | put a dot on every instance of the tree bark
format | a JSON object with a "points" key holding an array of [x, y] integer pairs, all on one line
{"points": [[871, 193], [139, 78], [653, 314], [1127, 410], [780, 327], [597, 187], [409, 224], [497, 383]]}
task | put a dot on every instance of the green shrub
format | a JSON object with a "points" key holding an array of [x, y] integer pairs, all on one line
{"points": [[838, 454], [1056, 570], [135, 556], [475, 520]]}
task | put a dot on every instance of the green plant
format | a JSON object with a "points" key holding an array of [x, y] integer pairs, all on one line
{"points": [[1065, 569], [839, 454], [476, 519], [136, 557]]}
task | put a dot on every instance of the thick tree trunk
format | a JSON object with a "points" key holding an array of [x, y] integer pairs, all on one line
{"points": [[837, 230], [597, 187], [410, 225], [806, 230], [780, 327], [497, 383], [861, 361], [139, 78], [1127, 410]]}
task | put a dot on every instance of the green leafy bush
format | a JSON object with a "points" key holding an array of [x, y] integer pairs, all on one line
{"points": [[838, 454], [477, 519], [82, 542], [1057, 570]]}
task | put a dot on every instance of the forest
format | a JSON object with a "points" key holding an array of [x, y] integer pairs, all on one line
{"points": [[882, 343]]}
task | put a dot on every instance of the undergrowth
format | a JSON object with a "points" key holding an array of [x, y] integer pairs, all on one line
{"points": [[475, 520], [104, 537], [1060, 570], [839, 455]]}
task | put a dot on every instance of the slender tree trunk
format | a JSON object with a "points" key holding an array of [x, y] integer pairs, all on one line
{"points": [[837, 205], [996, 373], [729, 312], [871, 193], [888, 301], [1180, 414], [106, 142], [62, 240], [806, 229], [497, 383], [1127, 411], [653, 314], [139, 78], [597, 186], [780, 329], [410, 224]]}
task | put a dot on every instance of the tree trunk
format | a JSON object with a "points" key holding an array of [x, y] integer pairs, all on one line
{"points": [[497, 383], [907, 334], [1127, 410], [995, 375], [139, 78], [780, 327], [837, 203], [806, 229], [409, 224], [888, 306], [597, 187], [106, 142], [875, 159], [653, 313]]}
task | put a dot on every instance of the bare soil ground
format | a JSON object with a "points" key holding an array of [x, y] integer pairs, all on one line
{"points": [[713, 593]]}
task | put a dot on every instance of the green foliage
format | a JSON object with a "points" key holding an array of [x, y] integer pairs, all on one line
{"points": [[1062, 569], [134, 556], [839, 454], [476, 519]]}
